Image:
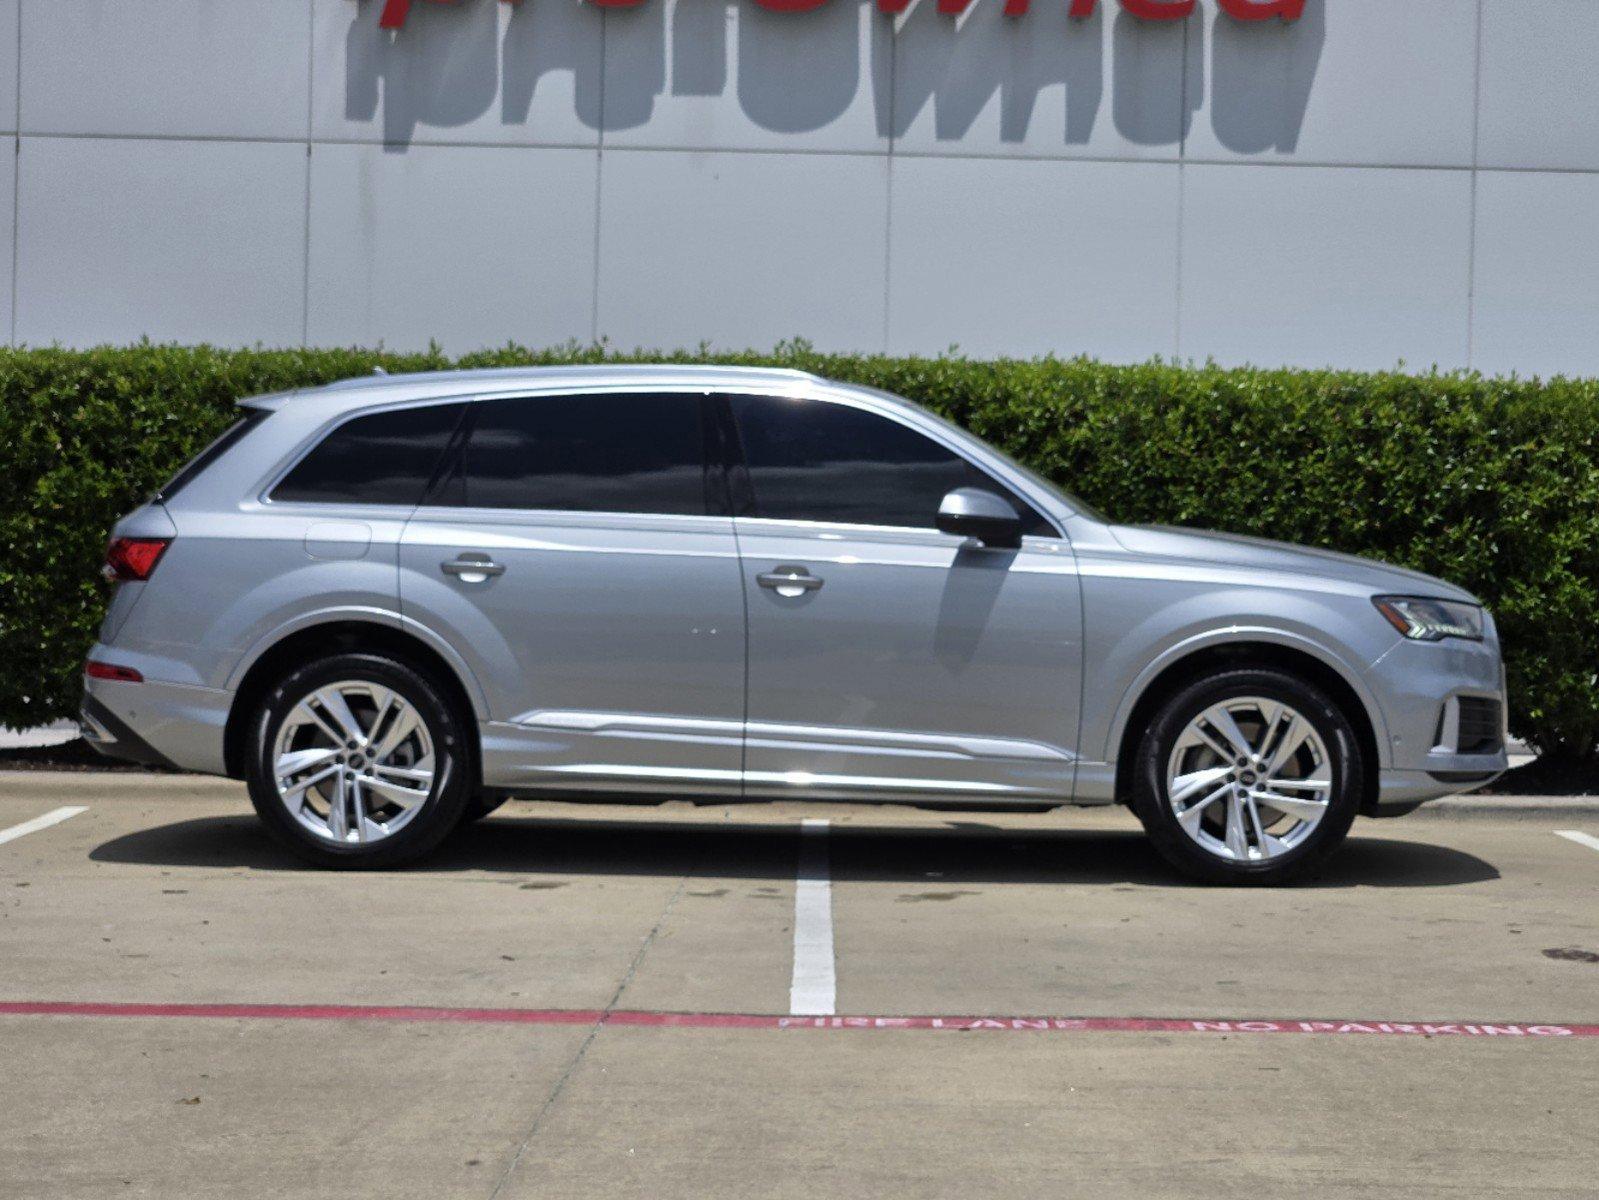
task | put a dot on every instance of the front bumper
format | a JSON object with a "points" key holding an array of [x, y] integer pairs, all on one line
{"points": [[1401, 792], [1431, 751]]}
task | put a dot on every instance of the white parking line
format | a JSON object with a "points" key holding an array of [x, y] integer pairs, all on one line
{"points": [[54, 817], [1582, 839], [814, 991]]}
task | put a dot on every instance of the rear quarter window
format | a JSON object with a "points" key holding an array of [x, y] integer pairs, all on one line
{"points": [[382, 458], [230, 437]]}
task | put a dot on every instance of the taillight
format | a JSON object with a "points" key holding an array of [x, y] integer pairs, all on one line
{"points": [[100, 670], [130, 560]]}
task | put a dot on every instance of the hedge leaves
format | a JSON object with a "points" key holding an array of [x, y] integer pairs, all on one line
{"points": [[1490, 483]]}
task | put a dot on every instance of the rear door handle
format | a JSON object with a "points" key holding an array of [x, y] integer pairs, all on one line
{"points": [[789, 581], [471, 567]]}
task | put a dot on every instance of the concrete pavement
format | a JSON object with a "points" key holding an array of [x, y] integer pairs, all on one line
{"points": [[165, 891]]}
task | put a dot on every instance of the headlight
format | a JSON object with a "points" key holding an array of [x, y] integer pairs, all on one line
{"points": [[1424, 620]]}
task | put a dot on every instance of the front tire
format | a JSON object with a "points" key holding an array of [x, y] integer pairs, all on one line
{"points": [[1252, 776], [357, 760], [482, 804]]}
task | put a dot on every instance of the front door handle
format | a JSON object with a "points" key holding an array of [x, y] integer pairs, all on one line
{"points": [[472, 567], [789, 581]]}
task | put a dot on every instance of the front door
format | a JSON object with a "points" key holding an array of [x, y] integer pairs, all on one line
{"points": [[579, 555], [886, 659]]}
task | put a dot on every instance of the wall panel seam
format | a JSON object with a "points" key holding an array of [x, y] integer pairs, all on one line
{"points": [[1471, 223], [888, 209], [599, 187], [310, 109], [1182, 198], [688, 148], [16, 188]]}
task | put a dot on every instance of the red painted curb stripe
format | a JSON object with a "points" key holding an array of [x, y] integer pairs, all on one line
{"points": [[686, 1020], [305, 1012]]}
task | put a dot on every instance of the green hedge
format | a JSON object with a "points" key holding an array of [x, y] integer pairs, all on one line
{"points": [[1491, 483]]}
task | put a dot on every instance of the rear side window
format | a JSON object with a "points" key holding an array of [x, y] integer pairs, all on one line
{"points": [[604, 452], [384, 458], [230, 438], [809, 460]]}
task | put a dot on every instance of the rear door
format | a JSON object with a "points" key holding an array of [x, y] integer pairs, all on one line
{"points": [[887, 659], [578, 552]]}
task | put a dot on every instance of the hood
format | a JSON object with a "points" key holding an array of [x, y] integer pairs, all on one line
{"points": [[1228, 549]]}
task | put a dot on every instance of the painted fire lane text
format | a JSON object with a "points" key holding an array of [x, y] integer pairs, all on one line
{"points": [[727, 1020], [1170, 1025]]}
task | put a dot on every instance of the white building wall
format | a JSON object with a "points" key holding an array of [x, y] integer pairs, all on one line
{"points": [[1381, 182]]}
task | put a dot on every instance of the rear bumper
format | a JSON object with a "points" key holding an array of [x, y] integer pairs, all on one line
{"points": [[108, 734], [159, 724]]}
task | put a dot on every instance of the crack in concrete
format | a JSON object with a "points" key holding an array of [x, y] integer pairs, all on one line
{"points": [[582, 1050]]}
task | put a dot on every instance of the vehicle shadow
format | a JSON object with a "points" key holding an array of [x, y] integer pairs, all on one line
{"points": [[963, 851]]}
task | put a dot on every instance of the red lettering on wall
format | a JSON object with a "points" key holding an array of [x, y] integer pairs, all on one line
{"points": [[1148, 10], [1159, 10], [1263, 10], [395, 12]]}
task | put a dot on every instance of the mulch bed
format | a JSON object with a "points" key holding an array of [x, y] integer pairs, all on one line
{"points": [[76, 755]]}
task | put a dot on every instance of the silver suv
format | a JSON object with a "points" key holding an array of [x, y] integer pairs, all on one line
{"points": [[390, 603]]}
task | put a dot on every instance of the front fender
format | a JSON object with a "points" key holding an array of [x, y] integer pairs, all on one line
{"points": [[1141, 619], [1243, 635]]}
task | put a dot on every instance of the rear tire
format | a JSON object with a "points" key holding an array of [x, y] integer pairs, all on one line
{"points": [[358, 761], [1265, 812]]}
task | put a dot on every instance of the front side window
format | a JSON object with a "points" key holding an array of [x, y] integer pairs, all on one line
{"points": [[384, 458], [604, 452], [809, 460]]}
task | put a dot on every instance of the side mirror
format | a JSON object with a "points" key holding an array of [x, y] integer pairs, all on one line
{"points": [[978, 513]]}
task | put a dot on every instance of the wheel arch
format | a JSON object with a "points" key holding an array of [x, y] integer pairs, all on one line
{"points": [[342, 635], [1167, 678]]}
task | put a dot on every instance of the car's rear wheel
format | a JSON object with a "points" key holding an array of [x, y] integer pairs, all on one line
{"points": [[358, 761], [1251, 776]]}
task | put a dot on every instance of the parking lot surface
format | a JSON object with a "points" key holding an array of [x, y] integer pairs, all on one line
{"points": [[580, 1000]]}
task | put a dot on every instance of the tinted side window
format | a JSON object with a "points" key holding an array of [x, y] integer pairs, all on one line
{"points": [[809, 460], [385, 458], [597, 453]]}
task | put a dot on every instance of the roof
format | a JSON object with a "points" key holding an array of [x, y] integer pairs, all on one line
{"points": [[367, 389]]}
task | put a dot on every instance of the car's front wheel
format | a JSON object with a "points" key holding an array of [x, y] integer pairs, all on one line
{"points": [[358, 761], [1250, 776], [482, 804]]}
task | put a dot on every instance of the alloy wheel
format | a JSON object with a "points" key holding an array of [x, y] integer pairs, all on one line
{"points": [[353, 762], [1249, 779]]}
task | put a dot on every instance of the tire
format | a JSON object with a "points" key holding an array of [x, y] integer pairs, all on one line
{"points": [[482, 804], [1229, 832], [400, 806]]}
